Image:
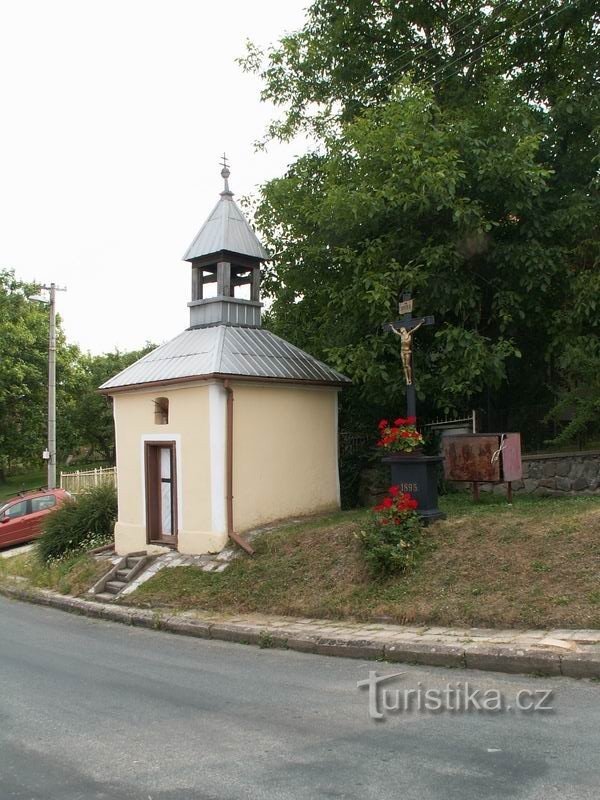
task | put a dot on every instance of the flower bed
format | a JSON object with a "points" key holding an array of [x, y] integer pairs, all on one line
{"points": [[401, 436], [392, 539]]}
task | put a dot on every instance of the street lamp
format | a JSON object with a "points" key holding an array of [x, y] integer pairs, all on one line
{"points": [[50, 452]]}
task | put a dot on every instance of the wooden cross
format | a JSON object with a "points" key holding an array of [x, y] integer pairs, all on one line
{"points": [[403, 328]]}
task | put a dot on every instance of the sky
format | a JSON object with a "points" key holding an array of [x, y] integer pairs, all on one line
{"points": [[115, 114]]}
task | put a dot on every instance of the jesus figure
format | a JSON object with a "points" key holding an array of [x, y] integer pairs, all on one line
{"points": [[406, 350]]}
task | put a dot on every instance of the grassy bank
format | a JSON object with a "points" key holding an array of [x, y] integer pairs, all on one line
{"points": [[22, 482], [72, 575], [534, 564]]}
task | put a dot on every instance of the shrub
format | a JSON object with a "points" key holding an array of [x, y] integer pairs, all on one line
{"points": [[82, 524], [392, 539]]}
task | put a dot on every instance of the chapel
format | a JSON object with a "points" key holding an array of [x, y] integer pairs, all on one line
{"points": [[227, 427]]}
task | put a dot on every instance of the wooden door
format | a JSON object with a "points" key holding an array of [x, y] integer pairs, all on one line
{"points": [[161, 493]]}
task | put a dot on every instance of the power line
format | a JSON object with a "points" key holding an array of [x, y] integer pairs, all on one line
{"points": [[411, 61], [491, 39], [407, 52], [435, 83]]}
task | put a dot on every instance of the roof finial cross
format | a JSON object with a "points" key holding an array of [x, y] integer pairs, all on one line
{"points": [[225, 173]]}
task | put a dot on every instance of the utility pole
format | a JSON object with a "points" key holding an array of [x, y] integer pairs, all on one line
{"points": [[52, 390], [51, 451]]}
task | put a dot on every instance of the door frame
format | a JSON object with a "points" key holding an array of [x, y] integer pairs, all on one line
{"points": [[154, 512]]}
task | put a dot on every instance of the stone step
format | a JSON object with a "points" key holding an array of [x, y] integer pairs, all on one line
{"points": [[104, 597], [114, 586], [132, 561], [122, 575]]}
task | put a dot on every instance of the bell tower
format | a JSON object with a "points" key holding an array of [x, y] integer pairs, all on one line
{"points": [[226, 252]]}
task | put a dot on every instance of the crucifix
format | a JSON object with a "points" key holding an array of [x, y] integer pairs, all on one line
{"points": [[405, 328]]}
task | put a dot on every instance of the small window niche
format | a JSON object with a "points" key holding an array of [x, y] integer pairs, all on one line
{"points": [[161, 411]]}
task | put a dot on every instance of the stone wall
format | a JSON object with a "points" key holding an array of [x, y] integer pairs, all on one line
{"points": [[556, 474]]}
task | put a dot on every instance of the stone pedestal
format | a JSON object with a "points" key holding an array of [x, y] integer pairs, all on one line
{"points": [[418, 475]]}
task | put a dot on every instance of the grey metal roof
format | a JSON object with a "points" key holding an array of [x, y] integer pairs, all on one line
{"points": [[228, 351], [226, 229]]}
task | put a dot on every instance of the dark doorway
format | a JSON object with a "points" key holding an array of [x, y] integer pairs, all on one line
{"points": [[161, 493]]}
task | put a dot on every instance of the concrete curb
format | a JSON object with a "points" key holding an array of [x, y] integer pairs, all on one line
{"points": [[483, 657]]}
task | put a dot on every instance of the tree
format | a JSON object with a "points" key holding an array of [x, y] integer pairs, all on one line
{"points": [[351, 54], [24, 372], [91, 414], [84, 417], [454, 157]]}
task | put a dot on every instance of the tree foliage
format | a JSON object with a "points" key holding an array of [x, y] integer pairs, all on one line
{"points": [[456, 156], [91, 415], [351, 54], [84, 417], [24, 371]]}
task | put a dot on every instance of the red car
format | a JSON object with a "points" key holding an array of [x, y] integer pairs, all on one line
{"points": [[21, 517]]}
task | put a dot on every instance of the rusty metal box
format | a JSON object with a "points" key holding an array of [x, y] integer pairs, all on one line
{"points": [[482, 457]]}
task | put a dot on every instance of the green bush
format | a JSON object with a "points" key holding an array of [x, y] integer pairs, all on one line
{"points": [[81, 524], [392, 539]]}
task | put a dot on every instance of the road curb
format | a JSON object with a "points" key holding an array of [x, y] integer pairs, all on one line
{"points": [[510, 660]]}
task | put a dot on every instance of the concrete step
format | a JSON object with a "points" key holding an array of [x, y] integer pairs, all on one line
{"points": [[105, 597], [132, 561], [122, 575], [114, 586]]}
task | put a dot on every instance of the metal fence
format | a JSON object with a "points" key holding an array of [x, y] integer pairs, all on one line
{"points": [[358, 442], [78, 481], [351, 442], [467, 423]]}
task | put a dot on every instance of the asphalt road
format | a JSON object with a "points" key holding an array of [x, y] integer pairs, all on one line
{"points": [[93, 710]]}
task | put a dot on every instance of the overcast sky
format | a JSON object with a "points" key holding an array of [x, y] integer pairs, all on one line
{"points": [[114, 114]]}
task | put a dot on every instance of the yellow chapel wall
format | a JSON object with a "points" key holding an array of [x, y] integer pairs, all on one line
{"points": [[199, 531], [285, 452]]}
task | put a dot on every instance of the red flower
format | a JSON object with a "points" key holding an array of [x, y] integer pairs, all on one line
{"points": [[411, 420], [393, 490], [383, 424], [412, 503], [387, 502], [400, 421]]}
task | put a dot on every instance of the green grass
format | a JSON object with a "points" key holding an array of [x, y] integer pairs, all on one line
{"points": [[22, 482], [533, 564], [74, 574], [523, 507]]}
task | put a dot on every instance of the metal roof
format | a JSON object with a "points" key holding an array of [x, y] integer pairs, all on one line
{"points": [[228, 351], [226, 229]]}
